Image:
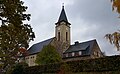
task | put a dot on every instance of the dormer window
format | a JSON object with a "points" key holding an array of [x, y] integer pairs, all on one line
{"points": [[95, 53], [73, 54], [66, 54], [80, 53]]}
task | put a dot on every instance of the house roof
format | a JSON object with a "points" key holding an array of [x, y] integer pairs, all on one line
{"points": [[38, 46], [84, 46]]}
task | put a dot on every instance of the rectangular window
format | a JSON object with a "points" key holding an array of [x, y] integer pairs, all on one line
{"points": [[94, 53], [80, 53], [58, 36], [99, 55], [66, 36], [73, 54], [66, 54]]}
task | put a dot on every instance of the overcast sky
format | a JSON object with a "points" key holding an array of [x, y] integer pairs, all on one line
{"points": [[90, 19]]}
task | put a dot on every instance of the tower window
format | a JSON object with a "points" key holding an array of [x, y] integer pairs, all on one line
{"points": [[58, 36], [66, 36]]}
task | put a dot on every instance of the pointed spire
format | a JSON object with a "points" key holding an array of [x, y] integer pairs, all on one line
{"points": [[62, 15]]}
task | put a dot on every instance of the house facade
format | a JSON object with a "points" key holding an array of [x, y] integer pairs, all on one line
{"points": [[62, 42], [82, 51]]}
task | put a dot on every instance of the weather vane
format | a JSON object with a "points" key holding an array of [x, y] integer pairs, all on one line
{"points": [[63, 5]]}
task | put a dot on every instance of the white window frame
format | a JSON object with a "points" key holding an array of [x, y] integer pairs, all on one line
{"points": [[66, 55], [80, 52], [73, 53]]}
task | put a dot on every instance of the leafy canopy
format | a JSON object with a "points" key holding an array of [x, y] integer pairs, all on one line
{"points": [[116, 5], [14, 33], [19, 68], [114, 38], [48, 55]]}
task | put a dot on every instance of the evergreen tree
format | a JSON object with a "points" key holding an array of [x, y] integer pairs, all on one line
{"points": [[14, 34], [48, 55]]}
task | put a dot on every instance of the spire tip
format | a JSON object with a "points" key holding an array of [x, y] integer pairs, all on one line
{"points": [[62, 5]]}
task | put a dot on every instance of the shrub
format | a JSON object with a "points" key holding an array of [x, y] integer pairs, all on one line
{"points": [[19, 68], [105, 64]]}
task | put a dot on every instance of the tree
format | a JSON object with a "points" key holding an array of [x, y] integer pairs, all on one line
{"points": [[65, 69], [116, 5], [14, 34], [114, 38], [19, 68], [48, 55]]}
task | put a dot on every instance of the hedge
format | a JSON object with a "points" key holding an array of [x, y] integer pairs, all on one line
{"points": [[111, 63], [50, 68]]}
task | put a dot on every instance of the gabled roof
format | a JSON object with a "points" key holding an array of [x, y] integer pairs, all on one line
{"points": [[85, 47], [63, 16], [38, 46]]}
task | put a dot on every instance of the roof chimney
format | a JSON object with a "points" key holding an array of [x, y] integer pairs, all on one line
{"points": [[76, 42]]}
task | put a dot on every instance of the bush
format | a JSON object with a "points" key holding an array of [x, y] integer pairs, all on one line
{"points": [[48, 55], [105, 64], [64, 69], [19, 68]]}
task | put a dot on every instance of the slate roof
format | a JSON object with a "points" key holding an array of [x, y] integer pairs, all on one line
{"points": [[85, 47], [63, 16], [38, 46]]}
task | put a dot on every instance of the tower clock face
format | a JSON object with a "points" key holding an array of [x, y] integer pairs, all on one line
{"points": [[66, 28], [58, 28]]}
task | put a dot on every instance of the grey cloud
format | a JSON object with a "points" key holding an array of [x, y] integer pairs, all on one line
{"points": [[89, 19]]}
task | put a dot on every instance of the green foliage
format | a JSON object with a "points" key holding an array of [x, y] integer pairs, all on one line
{"points": [[48, 68], [116, 5], [48, 55], [96, 65], [64, 69], [13, 12], [114, 38], [104, 65], [19, 68], [14, 34]]}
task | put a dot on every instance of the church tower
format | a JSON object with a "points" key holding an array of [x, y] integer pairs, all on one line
{"points": [[62, 30]]}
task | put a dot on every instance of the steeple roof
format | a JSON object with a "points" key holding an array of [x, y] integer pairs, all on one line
{"points": [[63, 16]]}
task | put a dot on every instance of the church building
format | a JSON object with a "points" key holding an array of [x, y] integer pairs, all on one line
{"points": [[62, 43]]}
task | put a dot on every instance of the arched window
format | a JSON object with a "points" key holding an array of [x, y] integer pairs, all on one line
{"points": [[66, 36], [58, 36]]}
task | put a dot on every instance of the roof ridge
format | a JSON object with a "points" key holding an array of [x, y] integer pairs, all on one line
{"points": [[44, 40], [88, 41]]}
